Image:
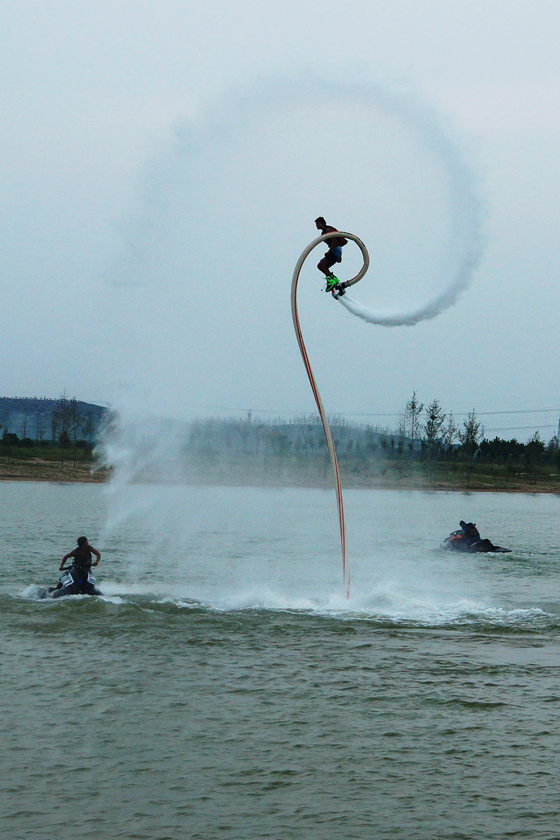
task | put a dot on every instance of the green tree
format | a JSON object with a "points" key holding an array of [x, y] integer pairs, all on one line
{"points": [[432, 428], [470, 435], [534, 449]]}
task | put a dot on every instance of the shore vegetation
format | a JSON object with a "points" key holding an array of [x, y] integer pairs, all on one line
{"points": [[428, 451]]}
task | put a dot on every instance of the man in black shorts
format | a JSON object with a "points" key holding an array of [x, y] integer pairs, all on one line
{"points": [[333, 255]]}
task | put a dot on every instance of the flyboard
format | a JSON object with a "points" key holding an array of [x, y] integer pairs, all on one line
{"points": [[337, 290]]}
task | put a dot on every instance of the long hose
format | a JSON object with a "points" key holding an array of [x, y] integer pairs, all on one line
{"points": [[326, 428]]}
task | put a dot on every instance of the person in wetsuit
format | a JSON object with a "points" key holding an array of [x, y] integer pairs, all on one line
{"points": [[333, 255]]}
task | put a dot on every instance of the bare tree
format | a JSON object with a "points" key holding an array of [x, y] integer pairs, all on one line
{"points": [[75, 422], [449, 432], [410, 422], [61, 423]]}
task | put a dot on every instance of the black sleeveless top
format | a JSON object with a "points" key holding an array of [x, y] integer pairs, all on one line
{"points": [[82, 559]]}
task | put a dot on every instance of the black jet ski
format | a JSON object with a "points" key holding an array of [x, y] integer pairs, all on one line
{"points": [[73, 581], [459, 541]]}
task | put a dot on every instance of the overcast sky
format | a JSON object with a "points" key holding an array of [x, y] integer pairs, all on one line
{"points": [[163, 162]]}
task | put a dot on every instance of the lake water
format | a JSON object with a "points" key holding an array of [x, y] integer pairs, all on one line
{"points": [[223, 687]]}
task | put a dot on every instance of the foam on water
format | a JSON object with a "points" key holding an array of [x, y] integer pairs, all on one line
{"points": [[386, 604], [33, 592], [244, 549]]}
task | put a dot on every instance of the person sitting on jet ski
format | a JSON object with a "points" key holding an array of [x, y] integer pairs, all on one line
{"points": [[470, 532], [81, 556]]}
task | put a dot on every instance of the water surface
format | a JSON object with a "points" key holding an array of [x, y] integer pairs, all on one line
{"points": [[224, 688]]}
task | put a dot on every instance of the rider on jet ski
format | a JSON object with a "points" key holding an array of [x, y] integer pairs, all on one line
{"points": [[78, 580], [469, 532], [82, 556], [468, 539]]}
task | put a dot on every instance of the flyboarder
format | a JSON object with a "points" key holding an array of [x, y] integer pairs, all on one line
{"points": [[332, 256]]}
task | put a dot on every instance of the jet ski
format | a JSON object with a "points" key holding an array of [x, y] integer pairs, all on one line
{"points": [[459, 541], [73, 581]]}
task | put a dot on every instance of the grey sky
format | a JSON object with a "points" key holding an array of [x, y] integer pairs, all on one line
{"points": [[162, 164]]}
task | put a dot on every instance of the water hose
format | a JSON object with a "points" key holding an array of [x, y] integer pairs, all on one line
{"points": [[326, 428]]}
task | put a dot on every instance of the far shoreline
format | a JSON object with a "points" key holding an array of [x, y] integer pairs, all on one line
{"points": [[38, 470]]}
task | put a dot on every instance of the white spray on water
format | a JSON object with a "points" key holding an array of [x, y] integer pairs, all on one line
{"points": [[269, 162]]}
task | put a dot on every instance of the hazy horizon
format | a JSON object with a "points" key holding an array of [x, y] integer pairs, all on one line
{"points": [[161, 176]]}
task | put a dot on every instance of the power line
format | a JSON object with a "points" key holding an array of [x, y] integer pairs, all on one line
{"points": [[519, 428], [284, 411], [516, 411], [537, 426]]}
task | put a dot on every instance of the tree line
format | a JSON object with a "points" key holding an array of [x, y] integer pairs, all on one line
{"points": [[427, 434], [424, 433], [431, 432], [69, 427]]}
